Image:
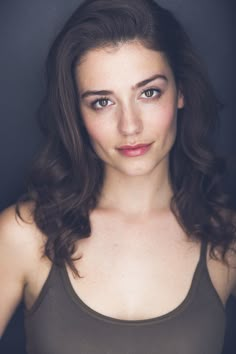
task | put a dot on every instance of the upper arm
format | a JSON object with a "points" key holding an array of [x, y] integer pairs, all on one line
{"points": [[15, 246], [231, 253], [233, 289]]}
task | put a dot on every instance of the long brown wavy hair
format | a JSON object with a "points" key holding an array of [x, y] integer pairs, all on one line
{"points": [[67, 175]]}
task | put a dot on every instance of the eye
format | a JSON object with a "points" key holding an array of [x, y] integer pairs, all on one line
{"points": [[150, 93], [101, 103]]}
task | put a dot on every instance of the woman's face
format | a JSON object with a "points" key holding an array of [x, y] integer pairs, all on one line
{"points": [[127, 96]]}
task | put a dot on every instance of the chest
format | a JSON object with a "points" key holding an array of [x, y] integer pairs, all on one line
{"points": [[145, 274], [126, 285], [139, 274]]}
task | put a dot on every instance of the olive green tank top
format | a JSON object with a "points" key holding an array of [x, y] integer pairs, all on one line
{"points": [[61, 323]]}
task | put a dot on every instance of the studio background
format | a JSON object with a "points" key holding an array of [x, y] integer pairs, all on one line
{"points": [[27, 28]]}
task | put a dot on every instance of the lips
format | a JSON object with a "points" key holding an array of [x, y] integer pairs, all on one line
{"points": [[132, 147], [134, 150]]}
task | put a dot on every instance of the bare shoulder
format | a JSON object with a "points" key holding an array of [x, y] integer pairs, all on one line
{"points": [[21, 249], [21, 240], [231, 253], [19, 229]]}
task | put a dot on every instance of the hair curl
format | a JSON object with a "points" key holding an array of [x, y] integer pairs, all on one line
{"points": [[67, 176]]}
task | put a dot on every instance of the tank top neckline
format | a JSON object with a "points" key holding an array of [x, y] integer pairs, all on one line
{"points": [[169, 315]]}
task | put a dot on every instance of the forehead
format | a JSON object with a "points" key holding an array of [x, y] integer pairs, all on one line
{"points": [[129, 62]]}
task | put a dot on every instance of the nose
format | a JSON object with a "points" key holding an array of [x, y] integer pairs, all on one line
{"points": [[130, 122]]}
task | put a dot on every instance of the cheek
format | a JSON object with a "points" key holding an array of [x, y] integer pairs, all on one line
{"points": [[165, 121], [98, 132]]}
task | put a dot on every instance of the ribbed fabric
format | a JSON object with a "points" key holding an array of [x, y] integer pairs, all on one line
{"points": [[61, 323]]}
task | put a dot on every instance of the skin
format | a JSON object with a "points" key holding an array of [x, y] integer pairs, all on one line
{"points": [[130, 115], [135, 198]]}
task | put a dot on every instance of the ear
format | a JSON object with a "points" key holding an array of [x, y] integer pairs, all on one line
{"points": [[180, 99]]}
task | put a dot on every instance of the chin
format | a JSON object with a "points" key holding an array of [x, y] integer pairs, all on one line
{"points": [[137, 171]]}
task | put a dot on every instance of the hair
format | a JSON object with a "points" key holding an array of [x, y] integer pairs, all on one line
{"points": [[66, 178]]}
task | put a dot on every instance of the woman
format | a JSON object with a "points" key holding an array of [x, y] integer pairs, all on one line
{"points": [[124, 241]]}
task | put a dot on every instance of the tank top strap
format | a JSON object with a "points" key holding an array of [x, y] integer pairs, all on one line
{"points": [[203, 254], [51, 278]]}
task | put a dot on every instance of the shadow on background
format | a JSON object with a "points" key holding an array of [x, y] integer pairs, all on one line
{"points": [[26, 30]]}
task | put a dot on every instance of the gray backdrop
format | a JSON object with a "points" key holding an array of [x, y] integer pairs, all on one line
{"points": [[27, 28]]}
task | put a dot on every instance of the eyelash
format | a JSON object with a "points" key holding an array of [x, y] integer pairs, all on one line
{"points": [[93, 104]]}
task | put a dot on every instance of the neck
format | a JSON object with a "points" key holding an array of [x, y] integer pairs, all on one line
{"points": [[136, 195]]}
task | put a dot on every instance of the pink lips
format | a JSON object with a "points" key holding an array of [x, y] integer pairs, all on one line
{"points": [[134, 150]]}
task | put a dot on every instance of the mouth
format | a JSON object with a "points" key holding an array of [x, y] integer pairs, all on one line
{"points": [[134, 150], [132, 147]]}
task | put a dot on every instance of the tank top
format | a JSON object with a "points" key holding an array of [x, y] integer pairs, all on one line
{"points": [[59, 322]]}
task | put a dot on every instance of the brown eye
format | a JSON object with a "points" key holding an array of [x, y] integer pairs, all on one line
{"points": [[151, 93], [101, 103]]}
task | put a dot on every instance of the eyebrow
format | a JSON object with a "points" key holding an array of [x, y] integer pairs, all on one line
{"points": [[138, 85]]}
